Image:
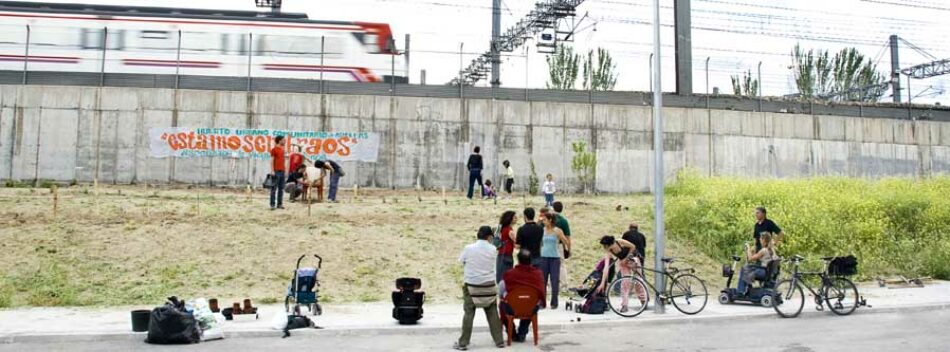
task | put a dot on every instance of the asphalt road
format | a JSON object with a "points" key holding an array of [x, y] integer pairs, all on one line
{"points": [[917, 331]]}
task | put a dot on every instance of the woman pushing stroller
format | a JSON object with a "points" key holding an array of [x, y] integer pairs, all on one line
{"points": [[625, 253]]}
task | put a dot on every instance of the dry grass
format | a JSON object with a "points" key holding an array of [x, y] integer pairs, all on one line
{"points": [[137, 245]]}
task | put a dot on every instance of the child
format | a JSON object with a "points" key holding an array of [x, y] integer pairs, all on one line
{"points": [[549, 190], [487, 190]]}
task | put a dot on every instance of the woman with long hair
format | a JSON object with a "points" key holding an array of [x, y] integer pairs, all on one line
{"points": [[758, 262], [550, 258], [625, 253], [504, 261]]}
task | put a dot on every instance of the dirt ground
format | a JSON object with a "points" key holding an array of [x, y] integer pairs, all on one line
{"points": [[119, 245]]}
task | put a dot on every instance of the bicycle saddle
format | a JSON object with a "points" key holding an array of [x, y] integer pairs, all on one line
{"points": [[798, 257], [827, 258], [668, 259]]}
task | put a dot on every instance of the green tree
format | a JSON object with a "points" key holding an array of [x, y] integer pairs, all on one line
{"points": [[584, 165], [562, 68], [812, 72], [599, 71], [745, 85], [846, 76]]}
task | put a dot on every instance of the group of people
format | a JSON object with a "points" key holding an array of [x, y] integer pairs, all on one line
{"points": [[475, 165], [489, 271], [303, 175]]}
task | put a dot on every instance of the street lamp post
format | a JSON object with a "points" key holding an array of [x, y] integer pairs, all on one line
{"points": [[658, 156]]}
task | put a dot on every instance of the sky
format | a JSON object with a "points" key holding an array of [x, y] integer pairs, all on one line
{"points": [[735, 36]]}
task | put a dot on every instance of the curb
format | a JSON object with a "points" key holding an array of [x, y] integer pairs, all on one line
{"points": [[396, 330]]}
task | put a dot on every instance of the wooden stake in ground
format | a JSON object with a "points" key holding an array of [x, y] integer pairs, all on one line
{"points": [[356, 192], [55, 200], [444, 201], [95, 193], [247, 193], [146, 200]]}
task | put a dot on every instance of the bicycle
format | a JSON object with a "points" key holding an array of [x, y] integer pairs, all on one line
{"points": [[686, 291], [836, 291]]}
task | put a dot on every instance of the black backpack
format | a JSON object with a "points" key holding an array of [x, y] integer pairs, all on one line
{"points": [[595, 304]]}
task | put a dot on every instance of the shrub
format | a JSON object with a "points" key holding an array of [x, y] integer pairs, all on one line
{"points": [[533, 182], [584, 165], [892, 225]]}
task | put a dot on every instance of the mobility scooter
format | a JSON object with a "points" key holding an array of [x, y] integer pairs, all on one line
{"points": [[763, 294]]}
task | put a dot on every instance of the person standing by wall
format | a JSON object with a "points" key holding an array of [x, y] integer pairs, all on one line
{"points": [[550, 259], [548, 189], [479, 289], [507, 246], [509, 178], [334, 179], [474, 167], [278, 167]]}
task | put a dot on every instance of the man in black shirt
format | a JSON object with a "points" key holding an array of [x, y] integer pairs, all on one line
{"points": [[634, 236], [474, 167], [529, 237], [763, 224]]}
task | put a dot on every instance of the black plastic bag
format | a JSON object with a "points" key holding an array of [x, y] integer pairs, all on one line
{"points": [[169, 325]]}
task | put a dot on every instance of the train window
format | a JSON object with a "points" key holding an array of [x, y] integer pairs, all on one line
{"points": [[233, 44], [52, 36], [91, 38], [202, 42], [154, 35], [287, 45], [13, 35], [370, 43]]}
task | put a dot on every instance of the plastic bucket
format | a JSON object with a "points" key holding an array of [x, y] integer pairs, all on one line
{"points": [[140, 320]]}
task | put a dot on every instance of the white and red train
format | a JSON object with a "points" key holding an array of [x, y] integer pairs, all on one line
{"points": [[69, 38]]}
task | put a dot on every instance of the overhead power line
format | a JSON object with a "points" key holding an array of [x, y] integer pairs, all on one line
{"points": [[545, 15]]}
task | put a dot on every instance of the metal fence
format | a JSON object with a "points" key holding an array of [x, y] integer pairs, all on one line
{"points": [[444, 91]]}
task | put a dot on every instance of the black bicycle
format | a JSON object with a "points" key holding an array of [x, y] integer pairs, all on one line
{"points": [[628, 296], [835, 291]]}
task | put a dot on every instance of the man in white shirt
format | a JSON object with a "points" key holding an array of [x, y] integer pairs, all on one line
{"points": [[478, 261]]}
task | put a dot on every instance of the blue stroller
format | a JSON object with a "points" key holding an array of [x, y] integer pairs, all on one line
{"points": [[304, 289]]}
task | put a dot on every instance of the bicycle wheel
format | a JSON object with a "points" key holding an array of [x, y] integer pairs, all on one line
{"points": [[841, 296], [789, 299], [688, 294], [622, 296]]}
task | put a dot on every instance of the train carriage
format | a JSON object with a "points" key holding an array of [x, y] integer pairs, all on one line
{"points": [[154, 40]]}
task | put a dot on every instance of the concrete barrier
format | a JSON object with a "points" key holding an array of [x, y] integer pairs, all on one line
{"points": [[91, 133]]}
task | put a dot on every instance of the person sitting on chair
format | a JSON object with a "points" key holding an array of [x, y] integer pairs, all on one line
{"points": [[522, 275], [752, 271]]}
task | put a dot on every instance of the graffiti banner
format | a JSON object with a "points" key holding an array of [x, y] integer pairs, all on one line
{"points": [[186, 142]]}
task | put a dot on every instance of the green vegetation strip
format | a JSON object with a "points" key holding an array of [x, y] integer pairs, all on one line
{"points": [[893, 226]]}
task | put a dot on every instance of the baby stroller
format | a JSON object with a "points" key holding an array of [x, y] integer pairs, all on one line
{"points": [[589, 301], [304, 289]]}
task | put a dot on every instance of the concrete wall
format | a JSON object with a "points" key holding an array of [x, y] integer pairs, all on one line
{"points": [[86, 133]]}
